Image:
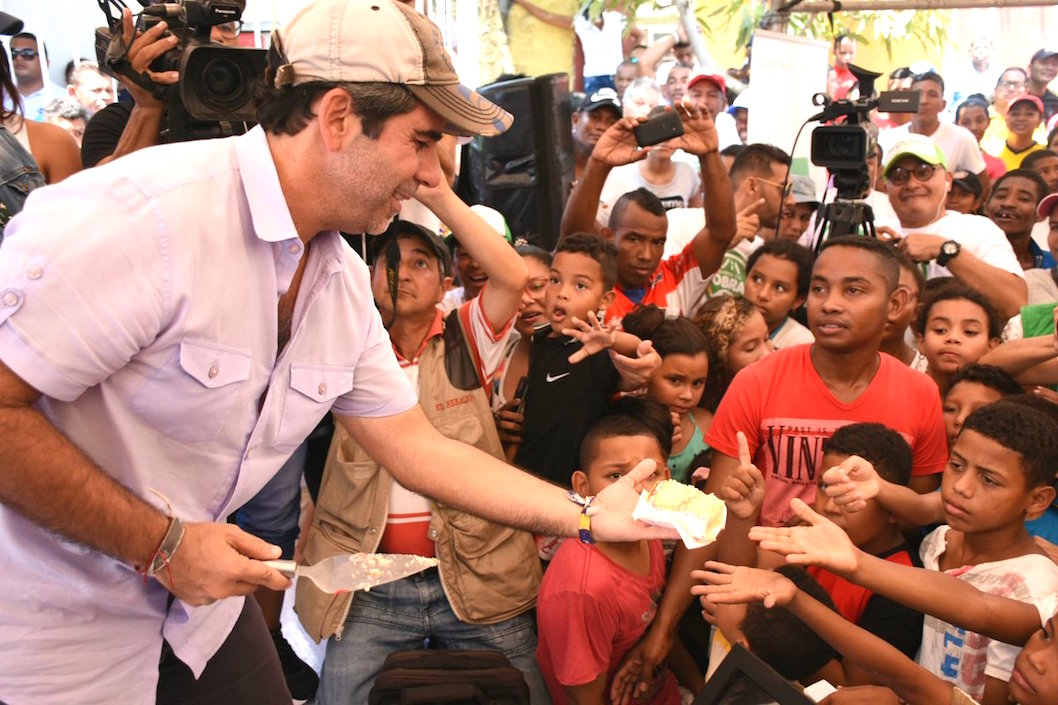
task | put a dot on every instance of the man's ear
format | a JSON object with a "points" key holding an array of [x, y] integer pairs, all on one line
{"points": [[1039, 499], [897, 301], [337, 118], [580, 483], [446, 286], [607, 232]]}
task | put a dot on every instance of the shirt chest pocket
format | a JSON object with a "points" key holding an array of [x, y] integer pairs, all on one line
{"points": [[312, 391], [191, 397]]}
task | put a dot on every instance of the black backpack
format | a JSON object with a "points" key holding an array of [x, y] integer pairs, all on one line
{"points": [[449, 676]]}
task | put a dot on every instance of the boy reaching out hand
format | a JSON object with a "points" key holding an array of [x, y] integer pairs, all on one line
{"points": [[1035, 673], [1001, 471]]}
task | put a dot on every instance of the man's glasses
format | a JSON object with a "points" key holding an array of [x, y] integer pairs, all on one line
{"points": [[898, 176], [784, 188], [27, 54], [1012, 84]]}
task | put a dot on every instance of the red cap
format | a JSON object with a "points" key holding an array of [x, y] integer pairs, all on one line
{"points": [[1028, 98], [713, 78], [1047, 205]]}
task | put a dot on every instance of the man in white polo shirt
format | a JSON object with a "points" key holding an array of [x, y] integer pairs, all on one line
{"points": [[174, 324], [970, 248]]}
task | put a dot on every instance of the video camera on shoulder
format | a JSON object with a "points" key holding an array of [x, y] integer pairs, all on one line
{"points": [[215, 94], [845, 149]]}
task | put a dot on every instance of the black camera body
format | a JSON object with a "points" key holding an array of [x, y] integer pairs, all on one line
{"points": [[215, 94], [845, 149]]}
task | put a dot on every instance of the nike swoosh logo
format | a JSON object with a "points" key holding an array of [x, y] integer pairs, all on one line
{"points": [[549, 378]]}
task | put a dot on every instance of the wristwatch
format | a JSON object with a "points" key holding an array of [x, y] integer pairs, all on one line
{"points": [[948, 251]]}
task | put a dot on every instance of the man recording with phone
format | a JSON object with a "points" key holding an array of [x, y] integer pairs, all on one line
{"points": [[638, 224], [121, 128]]}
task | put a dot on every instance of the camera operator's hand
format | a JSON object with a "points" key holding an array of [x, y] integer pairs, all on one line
{"points": [[617, 146], [699, 131], [144, 49]]}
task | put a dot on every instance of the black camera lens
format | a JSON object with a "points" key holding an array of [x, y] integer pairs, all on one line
{"points": [[222, 78]]}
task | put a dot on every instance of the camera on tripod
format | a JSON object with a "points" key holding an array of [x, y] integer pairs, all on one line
{"points": [[215, 94], [844, 149]]}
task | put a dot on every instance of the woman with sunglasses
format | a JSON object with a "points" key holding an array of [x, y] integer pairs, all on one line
{"points": [[970, 248]]}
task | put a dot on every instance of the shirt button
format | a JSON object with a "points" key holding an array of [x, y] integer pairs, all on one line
{"points": [[294, 249], [213, 371], [322, 389], [10, 298], [33, 272], [432, 534]]}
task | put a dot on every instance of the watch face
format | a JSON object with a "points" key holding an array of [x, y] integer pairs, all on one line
{"points": [[949, 249]]}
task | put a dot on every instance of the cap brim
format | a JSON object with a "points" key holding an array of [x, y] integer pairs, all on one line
{"points": [[465, 112], [1047, 205]]}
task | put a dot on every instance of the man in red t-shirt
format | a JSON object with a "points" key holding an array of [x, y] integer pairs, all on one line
{"points": [[638, 224], [789, 402], [792, 401]]}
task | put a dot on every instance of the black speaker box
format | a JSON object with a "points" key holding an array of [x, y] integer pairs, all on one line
{"points": [[526, 172]]}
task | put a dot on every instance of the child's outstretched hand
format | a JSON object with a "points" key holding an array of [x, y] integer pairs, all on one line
{"points": [[743, 493], [821, 543], [636, 371], [594, 335], [852, 483], [727, 584]]}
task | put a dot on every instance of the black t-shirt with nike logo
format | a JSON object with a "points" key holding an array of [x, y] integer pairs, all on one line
{"points": [[562, 401]]}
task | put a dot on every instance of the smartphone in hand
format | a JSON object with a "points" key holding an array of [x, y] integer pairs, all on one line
{"points": [[660, 128]]}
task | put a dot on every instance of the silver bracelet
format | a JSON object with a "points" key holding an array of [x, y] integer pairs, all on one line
{"points": [[167, 548]]}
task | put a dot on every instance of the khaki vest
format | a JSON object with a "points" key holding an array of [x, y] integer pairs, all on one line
{"points": [[489, 572]]}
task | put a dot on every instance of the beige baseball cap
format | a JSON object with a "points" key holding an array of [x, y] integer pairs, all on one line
{"points": [[359, 41]]}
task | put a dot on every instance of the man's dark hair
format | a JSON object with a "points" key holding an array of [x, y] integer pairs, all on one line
{"points": [[930, 75], [287, 110], [732, 150], [41, 46], [1031, 401], [1030, 433], [598, 248], [1042, 189], [889, 265], [642, 198], [783, 641], [1023, 72], [756, 160], [670, 336], [790, 251], [990, 376], [1029, 162], [956, 291], [629, 416], [883, 447]]}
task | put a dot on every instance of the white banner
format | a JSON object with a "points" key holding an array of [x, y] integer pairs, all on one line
{"points": [[786, 72]]}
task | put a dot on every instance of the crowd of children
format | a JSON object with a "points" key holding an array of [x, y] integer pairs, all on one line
{"points": [[876, 413]]}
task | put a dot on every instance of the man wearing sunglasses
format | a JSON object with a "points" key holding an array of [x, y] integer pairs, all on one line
{"points": [[970, 248], [36, 91]]}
